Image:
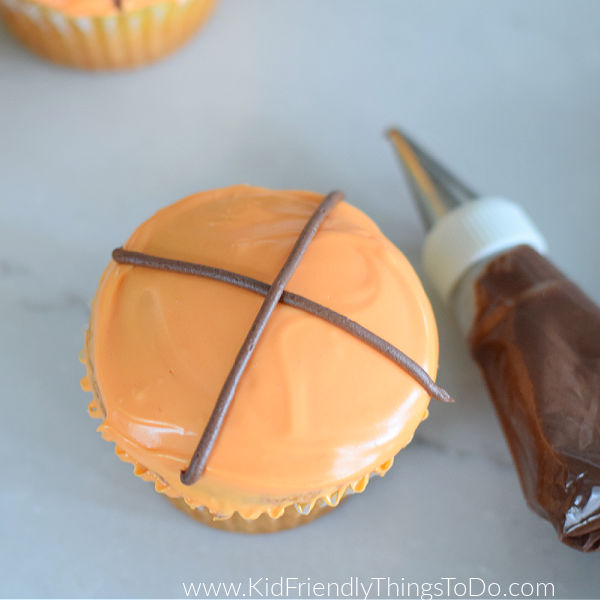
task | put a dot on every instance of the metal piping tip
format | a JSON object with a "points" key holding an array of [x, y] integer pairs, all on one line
{"points": [[436, 190]]}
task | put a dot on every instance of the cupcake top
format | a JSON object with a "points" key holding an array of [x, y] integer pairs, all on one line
{"points": [[99, 8], [316, 409]]}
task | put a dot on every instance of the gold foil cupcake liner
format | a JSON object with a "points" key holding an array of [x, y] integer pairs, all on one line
{"points": [[121, 40], [267, 519], [275, 517], [289, 519]]}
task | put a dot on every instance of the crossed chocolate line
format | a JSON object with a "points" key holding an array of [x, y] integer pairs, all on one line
{"points": [[273, 294]]}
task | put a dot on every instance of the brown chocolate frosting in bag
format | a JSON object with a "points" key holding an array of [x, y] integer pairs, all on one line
{"points": [[536, 337]]}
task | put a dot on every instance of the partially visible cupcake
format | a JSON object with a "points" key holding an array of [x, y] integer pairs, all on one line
{"points": [[318, 410], [104, 34]]}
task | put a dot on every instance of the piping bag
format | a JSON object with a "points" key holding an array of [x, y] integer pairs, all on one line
{"points": [[533, 333]]}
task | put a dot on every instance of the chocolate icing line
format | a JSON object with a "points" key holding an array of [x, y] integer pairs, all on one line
{"points": [[407, 364], [213, 428], [273, 295]]}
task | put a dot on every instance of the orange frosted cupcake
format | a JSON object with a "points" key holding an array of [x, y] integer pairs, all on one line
{"points": [[258, 355], [104, 34]]}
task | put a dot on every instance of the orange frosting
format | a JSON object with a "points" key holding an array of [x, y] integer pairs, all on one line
{"points": [[103, 8], [317, 410]]}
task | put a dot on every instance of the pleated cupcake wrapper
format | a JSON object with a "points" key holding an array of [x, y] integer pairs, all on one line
{"points": [[121, 40], [329, 498]]}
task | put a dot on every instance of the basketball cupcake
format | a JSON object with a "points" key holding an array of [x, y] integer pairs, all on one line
{"points": [[104, 34], [259, 355]]}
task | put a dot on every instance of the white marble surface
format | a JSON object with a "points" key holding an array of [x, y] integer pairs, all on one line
{"points": [[282, 94]]}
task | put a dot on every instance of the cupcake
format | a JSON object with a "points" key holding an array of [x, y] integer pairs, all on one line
{"points": [[259, 355], [104, 34]]}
